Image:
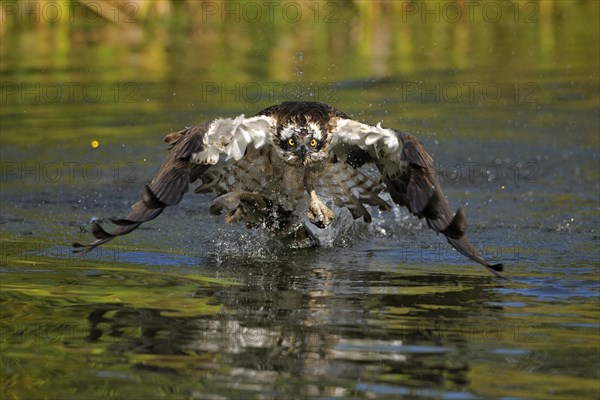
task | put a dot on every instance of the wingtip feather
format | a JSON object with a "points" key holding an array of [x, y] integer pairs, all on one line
{"points": [[79, 248], [497, 267], [150, 199], [458, 226], [99, 232]]}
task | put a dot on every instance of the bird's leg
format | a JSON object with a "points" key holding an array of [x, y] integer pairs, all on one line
{"points": [[230, 201], [318, 213], [242, 206], [235, 216]]}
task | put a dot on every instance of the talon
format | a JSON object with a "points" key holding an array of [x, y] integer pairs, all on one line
{"points": [[234, 216], [318, 213]]}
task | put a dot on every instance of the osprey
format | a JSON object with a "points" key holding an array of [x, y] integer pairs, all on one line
{"points": [[281, 168]]}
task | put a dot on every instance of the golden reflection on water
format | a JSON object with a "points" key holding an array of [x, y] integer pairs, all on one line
{"points": [[339, 40]]}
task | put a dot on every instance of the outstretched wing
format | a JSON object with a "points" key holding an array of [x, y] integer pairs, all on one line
{"points": [[193, 151], [409, 176]]}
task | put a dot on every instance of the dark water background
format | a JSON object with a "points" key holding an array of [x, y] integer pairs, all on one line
{"points": [[503, 95]]}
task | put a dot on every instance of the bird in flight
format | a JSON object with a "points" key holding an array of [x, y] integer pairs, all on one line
{"points": [[285, 168]]}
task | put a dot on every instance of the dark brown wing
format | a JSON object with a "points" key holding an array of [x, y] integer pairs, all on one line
{"points": [[418, 189], [409, 176], [166, 189]]}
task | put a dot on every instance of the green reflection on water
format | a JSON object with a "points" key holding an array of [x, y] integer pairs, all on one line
{"points": [[49, 335], [94, 74], [99, 329]]}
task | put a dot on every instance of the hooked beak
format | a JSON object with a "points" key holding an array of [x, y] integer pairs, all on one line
{"points": [[302, 152]]}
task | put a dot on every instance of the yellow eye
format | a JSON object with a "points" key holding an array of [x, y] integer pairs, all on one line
{"points": [[291, 142], [313, 143]]}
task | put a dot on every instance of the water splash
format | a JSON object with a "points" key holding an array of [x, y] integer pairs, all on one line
{"points": [[298, 61]]}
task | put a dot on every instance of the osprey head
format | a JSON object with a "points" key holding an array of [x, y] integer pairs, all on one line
{"points": [[302, 143]]}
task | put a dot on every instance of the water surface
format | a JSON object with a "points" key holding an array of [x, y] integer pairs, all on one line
{"points": [[188, 307]]}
